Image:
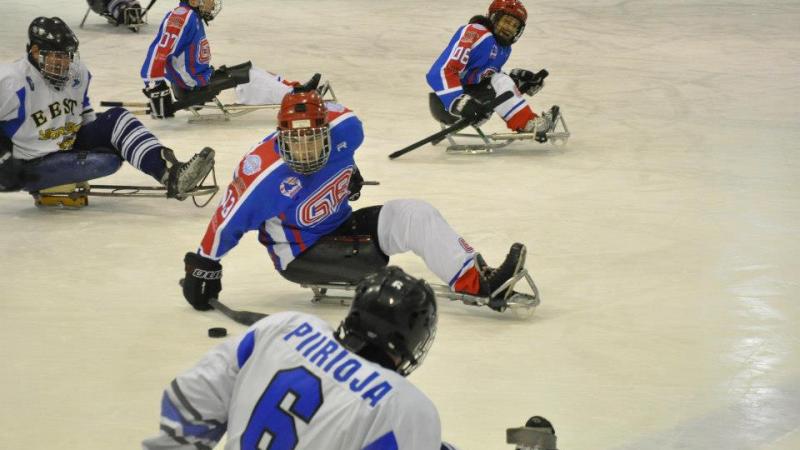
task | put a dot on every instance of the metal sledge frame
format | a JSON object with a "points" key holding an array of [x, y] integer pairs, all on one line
{"points": [[84, 189], [521, 303], [142, 17], [495, 141], [227, 111]]}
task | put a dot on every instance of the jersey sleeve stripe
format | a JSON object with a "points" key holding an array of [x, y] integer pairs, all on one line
{"points": [[10, 127], [210, 244], [245, 348], [184, 402]]}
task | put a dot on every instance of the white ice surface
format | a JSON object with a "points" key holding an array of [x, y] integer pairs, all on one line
{"points": [[664, 237]]}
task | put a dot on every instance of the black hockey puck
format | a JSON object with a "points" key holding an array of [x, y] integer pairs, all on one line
{"points": [[217, 332]]}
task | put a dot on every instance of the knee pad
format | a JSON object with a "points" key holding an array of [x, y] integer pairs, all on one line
{"points": [[69, 167]]}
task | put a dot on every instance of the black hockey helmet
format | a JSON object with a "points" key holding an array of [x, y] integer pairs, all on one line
{"points": [[392, 320], [52, 36]]}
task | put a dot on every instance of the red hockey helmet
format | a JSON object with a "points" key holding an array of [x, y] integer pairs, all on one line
{"points": [[502, 14], [304, 137]]}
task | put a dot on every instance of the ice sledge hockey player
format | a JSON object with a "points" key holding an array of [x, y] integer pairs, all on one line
{"points": [[50, 135], [295, 188], [292, 381], [128, 13], [469, 72], [180, 57]]}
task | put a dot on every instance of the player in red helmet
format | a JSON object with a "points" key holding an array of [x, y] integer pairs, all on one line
{"points": [[295, 189], [469, 72]]}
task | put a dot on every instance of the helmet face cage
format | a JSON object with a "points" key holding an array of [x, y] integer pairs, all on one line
{"points": [[57, 48], [58, 67], [209, 13], [503, 8], [500, 20], [305, 150]]}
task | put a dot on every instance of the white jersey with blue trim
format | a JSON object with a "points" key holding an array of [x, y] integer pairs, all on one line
{"points": [[288, 384], [38, 118]]}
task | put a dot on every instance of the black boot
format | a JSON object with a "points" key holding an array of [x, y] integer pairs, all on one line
{"points": [[181, 178], [309, 85], [493, 279]]}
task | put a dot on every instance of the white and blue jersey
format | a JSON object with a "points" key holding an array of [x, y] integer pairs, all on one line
{"points": [[180, 52], [291, 211], [289, 384], [472, 55], [38, 118]]}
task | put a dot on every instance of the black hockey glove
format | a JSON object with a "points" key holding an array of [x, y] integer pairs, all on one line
{"points": [[356, 183], [467, 107], [528, 82], [203, 281], [160, 100], [11, 172]]}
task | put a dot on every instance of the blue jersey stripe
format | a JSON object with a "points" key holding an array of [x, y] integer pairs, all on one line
{"points": [[10, 127], [245, 348], [385, 442]]}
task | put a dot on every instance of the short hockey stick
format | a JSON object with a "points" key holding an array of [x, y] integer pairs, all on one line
{"points": [[243, 317], [460, 125]]}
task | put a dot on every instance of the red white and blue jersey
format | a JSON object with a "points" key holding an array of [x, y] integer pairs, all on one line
{"points": [[180, 52], [291, 211], [472, 55]]}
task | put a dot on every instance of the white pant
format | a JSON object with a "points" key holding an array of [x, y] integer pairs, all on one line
{"points": [[501, 83], [415, 225], [264, 88]]}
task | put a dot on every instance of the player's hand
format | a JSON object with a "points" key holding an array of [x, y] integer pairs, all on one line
{"points": [[467, 107], [160, 98], [356, 183], [528, 82], [11, 172], [203, 280]]}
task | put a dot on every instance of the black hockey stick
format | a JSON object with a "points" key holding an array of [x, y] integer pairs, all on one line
{"points": [[460, 125], [152, 2], [243, 317]]}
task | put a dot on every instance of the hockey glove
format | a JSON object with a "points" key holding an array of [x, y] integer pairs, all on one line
{"points": [[528, 82], [160, 100], [203, 281], [11, 172], [356, 183], [467, 107]]}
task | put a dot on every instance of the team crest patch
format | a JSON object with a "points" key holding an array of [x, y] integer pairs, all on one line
{"points": [[204, 54], [290, 186], [469, 37], [252, 164], [493, 53], [341, 146]]}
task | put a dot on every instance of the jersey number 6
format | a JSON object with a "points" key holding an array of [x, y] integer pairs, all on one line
{"points": [[270, 426]]}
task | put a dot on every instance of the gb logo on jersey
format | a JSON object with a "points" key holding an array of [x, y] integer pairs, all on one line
{"points": [[204, 53], [326, 200]]}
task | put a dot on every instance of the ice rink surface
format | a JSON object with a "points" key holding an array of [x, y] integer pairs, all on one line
{"points": [[663, 237]]}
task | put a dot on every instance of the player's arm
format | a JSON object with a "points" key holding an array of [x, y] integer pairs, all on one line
{"points": [[461, 55], [194, 407], [12, 114], [195, 72], [87, 112], [411, 423], [247, 203]]}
